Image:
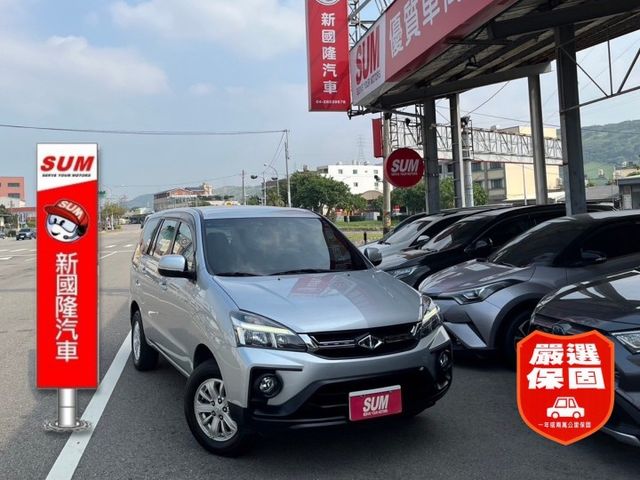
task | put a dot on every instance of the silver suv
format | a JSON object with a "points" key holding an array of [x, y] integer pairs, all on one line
{"points": [[278, 320]]}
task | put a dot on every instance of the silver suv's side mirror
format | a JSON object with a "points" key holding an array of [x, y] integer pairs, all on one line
{"points": [[374, 255], [174, 266]]}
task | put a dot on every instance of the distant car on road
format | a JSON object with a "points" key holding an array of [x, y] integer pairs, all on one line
{"points": [[486, 305], [278, 321], [610, 305], [26, 234]]}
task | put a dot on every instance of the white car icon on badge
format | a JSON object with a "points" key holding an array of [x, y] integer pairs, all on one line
{"points": [[565, 407]]}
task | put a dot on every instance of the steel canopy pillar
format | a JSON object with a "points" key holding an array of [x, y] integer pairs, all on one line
{"points": [[537, 140], [570, 124], [386, 186], [430, 154], [456, 149]]}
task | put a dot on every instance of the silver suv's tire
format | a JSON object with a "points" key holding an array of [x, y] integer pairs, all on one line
{"points": [[209, 415], [144, 357]]}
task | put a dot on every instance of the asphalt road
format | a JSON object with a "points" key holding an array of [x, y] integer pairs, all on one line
{"points": [[475, 432]]}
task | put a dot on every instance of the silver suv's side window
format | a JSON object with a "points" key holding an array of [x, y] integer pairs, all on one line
{"points": [[146, 238], [183, 244], [165, 238]]}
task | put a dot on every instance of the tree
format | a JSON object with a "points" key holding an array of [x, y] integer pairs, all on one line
{"points": [[273, 198], [447, 193], [480, 195], [412, 199], [112, 211], [254, 200], [352, 203], [317, 193]]}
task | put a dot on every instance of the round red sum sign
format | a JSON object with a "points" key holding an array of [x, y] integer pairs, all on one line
{"points": [[404, 168]]}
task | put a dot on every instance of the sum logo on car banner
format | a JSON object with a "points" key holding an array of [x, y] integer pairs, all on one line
{"points": [[67, 263], [565, 384]]}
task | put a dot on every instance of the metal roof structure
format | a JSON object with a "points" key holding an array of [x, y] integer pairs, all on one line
{"points": [[517, 43]]}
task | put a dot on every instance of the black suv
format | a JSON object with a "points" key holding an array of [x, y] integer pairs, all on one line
{"points": [[476, 236], [610, 305], [26, 234]]}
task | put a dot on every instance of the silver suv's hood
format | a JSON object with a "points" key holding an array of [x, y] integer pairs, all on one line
{"points": [[327, 302], [472, 274]]}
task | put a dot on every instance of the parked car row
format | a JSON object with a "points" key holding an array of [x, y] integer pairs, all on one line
{"points": [[498, 274]]}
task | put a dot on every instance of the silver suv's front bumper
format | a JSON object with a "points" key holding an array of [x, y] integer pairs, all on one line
{"points": [[424, 372]]}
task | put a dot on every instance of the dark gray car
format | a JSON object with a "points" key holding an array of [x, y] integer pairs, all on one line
{"points": [[486, 305], [610, 305]]}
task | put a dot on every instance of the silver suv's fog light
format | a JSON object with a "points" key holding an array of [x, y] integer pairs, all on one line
{"points": [[268, 385]]}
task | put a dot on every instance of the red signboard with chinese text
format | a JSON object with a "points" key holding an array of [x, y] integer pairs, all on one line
{"points": [[67, 266], [378, 147], [404, 168], [408, 35], [328, 55], [565, 384]]}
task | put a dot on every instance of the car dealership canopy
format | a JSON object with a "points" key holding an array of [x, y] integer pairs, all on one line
{"points": [[421, 50]]}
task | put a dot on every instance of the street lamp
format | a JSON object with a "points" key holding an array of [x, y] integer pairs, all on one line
{"points": [[276, 180], [264, 195]]}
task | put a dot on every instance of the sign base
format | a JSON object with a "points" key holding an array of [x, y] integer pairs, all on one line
{"points": [[54, 426]]}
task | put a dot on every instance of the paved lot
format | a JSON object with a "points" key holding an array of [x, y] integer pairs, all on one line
{"points": [[475, 432]]}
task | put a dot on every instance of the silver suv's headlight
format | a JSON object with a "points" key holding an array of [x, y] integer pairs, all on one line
{"points": [[255, 331], [402, 272], [477, 294], [630, 339], [430, 318]]}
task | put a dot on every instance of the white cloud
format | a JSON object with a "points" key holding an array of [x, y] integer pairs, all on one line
{"points": [[39, 76], [255, 28], [202, 89]]}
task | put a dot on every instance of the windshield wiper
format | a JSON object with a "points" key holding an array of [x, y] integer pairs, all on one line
{"points": [[302, 270], [237, 274]]}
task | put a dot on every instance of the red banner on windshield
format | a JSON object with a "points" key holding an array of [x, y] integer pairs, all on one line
{"points": [[67, 263], [328, 55]]}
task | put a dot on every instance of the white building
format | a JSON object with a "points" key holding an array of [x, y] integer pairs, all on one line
{"points": [[10, 202], [360, 178]]}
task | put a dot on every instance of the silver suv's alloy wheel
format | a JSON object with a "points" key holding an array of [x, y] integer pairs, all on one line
{"points": [[211, 408], [136, 340]]}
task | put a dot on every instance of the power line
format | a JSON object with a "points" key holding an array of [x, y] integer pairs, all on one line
{"points": [[179, 183], [490, 98], [588, 129], [191, 133]]}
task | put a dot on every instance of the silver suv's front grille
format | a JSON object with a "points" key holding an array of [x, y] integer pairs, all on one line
{"points": [[370, 342]]}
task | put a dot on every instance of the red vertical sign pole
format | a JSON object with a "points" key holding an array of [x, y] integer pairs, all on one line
{"points": [[328, 55], [67, 275]]}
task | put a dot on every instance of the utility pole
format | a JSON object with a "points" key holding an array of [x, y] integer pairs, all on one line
{"points": [[244, 197], [286, 166], [386, 189]]}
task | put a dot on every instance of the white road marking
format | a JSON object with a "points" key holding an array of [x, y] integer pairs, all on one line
{"points": [[6, 258], [107, 255], [30, 259], [110, 246], [20, 250], [4, 250], [128, 245], [71, 454]]}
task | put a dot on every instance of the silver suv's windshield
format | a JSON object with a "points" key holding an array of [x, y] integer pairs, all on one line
{"points": [[277, 246]]}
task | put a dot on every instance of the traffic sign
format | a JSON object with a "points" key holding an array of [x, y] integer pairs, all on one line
{"points": [[404, 168]]}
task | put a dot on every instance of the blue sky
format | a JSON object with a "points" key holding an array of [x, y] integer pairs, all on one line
{"points": [[201, 65]]}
